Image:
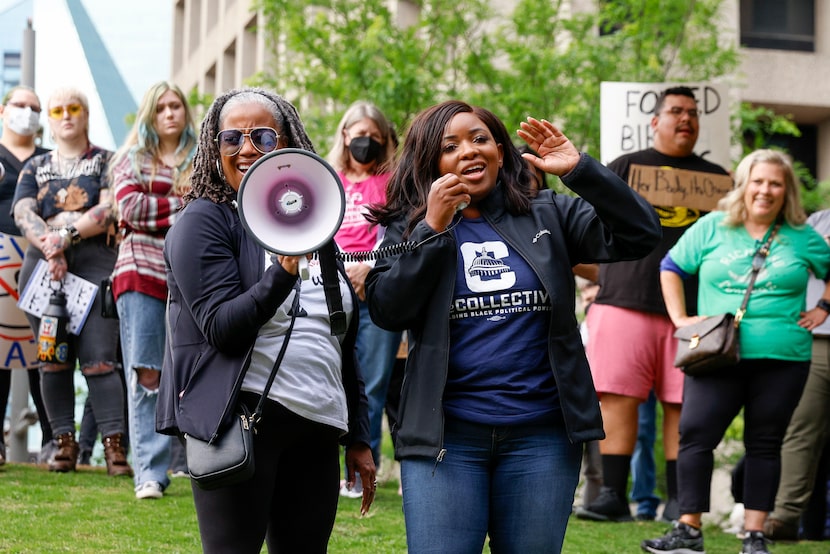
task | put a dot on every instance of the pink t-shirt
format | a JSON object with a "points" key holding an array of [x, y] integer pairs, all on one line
{"points": [[355, 234]]}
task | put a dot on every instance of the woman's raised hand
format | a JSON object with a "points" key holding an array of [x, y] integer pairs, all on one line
{"points": [[557, 155]]}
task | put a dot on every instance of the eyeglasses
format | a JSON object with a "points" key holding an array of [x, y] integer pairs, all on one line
{"points": [[230, 141], [35, 109], [74, 110], [678, 111]]}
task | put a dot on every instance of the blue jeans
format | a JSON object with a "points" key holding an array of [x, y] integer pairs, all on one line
{"points": [[643, 470], [514, 483], [142, 345], [376, 352]]}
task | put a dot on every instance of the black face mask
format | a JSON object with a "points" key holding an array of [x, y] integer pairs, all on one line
{"points": [[365, 149]]}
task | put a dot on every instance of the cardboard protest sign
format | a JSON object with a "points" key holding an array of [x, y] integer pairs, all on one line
{"points": [[626, 110], [664, 186]]}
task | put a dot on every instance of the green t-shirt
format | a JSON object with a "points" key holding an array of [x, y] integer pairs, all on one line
{"points": [[722, 258]]}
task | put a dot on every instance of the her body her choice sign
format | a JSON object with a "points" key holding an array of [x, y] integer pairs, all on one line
{"points": [[626, 110]]}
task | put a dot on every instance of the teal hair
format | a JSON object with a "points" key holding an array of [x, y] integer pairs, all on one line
{"points": [[143, 138]]}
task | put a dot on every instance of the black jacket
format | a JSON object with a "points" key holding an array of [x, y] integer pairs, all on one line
{"points": [[220, 296], [413, 292]]}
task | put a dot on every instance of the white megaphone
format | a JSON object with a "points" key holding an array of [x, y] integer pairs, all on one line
{"points": [[291, 201]]}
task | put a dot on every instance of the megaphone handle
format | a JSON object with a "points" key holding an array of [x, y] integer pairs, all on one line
{"points": [[303, 268]]}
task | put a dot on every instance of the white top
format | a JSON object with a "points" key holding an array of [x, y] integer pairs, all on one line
{"points": [[309, 381]]}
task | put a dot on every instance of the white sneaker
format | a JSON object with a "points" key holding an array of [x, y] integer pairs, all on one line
{"points": [[354, 492], [150, 489], [735, 524]]}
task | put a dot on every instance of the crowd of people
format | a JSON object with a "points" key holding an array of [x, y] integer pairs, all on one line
{"points": [[504, 394]]}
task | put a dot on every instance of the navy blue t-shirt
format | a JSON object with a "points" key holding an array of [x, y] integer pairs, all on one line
{"points": [[499, 370]]}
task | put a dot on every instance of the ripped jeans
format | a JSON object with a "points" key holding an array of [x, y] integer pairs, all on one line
{"points": [[142, 345]]}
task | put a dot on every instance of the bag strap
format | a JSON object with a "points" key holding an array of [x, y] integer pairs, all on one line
{"points": [[295, 307], [757, 263], [257, 415]]}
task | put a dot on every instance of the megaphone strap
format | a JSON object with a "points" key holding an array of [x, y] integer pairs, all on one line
{"points": [[331, 286]]}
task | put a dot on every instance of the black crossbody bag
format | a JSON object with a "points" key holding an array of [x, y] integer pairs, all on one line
{"points": [[229, 458]]}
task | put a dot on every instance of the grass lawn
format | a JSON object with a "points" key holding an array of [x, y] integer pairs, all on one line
{"points": [[89, 512]]}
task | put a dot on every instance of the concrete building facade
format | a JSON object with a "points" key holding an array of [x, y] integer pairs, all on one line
{"points": [[784, 47]]}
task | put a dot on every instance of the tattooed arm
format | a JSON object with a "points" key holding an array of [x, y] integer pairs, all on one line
{"points": [[28, 220], [94, 221]]}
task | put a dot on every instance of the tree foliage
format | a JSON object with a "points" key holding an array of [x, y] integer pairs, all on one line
{"points": [[758, 127], [542, 58]]}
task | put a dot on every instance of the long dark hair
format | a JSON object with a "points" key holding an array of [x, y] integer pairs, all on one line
{"points": [[417, 168], [207, 181]]}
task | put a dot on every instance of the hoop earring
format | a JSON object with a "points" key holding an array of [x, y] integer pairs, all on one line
{"points": [[219, 170]]}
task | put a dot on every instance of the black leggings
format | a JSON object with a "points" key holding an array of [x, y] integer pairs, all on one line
{"points": [[768, 391], [290, 502]]}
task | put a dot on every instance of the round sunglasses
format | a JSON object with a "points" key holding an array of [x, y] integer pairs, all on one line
{"points": [[230, 141]]}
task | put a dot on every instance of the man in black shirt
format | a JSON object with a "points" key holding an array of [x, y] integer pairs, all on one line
{"points": [[631, 348]]}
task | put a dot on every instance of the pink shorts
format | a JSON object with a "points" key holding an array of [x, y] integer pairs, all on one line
{"points": [[632, 352]]}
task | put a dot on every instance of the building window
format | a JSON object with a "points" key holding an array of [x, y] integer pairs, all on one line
{"points": [[803, 149], [778, 24], [11, 59]]}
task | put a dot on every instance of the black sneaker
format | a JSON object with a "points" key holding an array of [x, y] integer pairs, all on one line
{"points": [[608, 506], [682, 539], [755, 543]]}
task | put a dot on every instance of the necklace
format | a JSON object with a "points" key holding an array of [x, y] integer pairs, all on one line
{"points": [[67, 167]]}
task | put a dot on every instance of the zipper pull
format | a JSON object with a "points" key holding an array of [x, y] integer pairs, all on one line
{"points": [[438, 460]]}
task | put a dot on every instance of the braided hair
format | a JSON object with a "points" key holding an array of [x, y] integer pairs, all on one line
{"points": [[207, 180]]}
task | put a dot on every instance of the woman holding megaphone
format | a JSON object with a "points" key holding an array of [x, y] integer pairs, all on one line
{"points": [[230, 310]]}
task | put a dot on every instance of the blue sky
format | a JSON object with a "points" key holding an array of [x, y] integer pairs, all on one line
{"points": [[137, 35]]}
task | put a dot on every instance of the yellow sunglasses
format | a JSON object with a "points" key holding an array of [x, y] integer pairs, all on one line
{"points": [[74, 110]]}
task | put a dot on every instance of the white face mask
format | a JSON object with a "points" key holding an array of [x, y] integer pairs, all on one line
{"points": [[22, 121]]}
